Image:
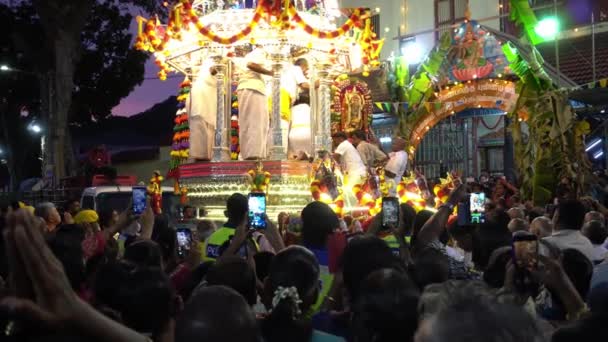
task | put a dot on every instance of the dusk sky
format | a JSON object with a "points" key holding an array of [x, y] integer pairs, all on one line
{"points": [[151, 91]]}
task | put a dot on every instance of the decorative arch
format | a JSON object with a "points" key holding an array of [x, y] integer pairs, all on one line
{"points": [[477, 94]]}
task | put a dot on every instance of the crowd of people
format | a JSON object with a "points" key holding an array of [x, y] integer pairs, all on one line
{"points": [[83, 275]]}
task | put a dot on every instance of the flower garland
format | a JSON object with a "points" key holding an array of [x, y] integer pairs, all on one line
{"points": [[370, 46], [207, 33], [365, 199], [353, 21], [181, 132], [443, 189], [409, 193], [235, 148], [153, 37]]}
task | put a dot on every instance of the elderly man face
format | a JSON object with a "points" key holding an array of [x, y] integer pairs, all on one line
{"points": [[541, 227], [516, 213], [517, 225], [595, 216]]}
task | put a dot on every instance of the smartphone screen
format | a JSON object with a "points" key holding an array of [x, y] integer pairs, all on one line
{"points": [[139, 199], [390, 212], [525, 250], [257, 209], [184, 240], [477, 207]]}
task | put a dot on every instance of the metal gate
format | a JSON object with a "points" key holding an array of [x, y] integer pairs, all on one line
{"points": [[444, 148]]}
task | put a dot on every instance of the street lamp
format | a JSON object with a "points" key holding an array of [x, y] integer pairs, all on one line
{"points": [[36, 128]]}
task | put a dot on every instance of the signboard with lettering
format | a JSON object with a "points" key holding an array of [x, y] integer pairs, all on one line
{"points": [[489, 94]]}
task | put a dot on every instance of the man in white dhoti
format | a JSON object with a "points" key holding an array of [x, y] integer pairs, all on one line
{"points": [[397, 164], [202, 113], [297, 87], [253, 107], [351, 164]]}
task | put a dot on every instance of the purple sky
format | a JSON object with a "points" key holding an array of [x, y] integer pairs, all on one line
{"points": [[151, 91]]}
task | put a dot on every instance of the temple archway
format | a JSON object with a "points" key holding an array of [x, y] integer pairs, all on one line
{"points": [[479, 94]]}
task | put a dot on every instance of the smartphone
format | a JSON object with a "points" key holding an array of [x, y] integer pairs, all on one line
{"points": [[477, 209], [390, 212], [525, 250], [257, 210], [139, 199], [184, 240]]}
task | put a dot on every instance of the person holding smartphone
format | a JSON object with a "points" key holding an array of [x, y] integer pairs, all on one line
{"points": [[428, 237]]}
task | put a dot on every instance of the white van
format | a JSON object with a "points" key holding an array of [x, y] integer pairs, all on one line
{"points": [[118, 197]]}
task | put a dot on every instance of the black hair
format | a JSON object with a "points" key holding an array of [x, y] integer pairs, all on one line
{"points": [[295, 267], [235, 273], [144, 253], [262, 264], [419, 221], [494, 275], [166, 238], [473, 318], [596, 232], [579, 269], [409, 216], [105, 217], [236, 208], [571, 215], [362, 256], [359, 134], [106, 292], [148, 302], [318, 223], [340, 134], [70, 201], [216, 313], [198, 274], [66, 244], [386, 309], [300, 61], [491, 235], [430, 267], [15, 205]]}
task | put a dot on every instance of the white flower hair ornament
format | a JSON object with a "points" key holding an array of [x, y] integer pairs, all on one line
{"points": [[290, 293]]}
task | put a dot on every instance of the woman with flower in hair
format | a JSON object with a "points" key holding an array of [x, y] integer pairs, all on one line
{"points": [[291, 288]]}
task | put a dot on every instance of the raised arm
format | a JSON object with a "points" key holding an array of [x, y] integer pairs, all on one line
{"points": [[436, 224], [259, 69], [53, 304]]}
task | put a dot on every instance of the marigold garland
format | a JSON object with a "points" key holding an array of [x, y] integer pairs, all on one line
{"points": [[181, 144], [153, 37]]}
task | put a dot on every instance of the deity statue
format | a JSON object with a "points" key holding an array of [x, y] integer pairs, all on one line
{"points": [[353, 102], [471, 49], [155, 192], [469, 55], [258, 178]]}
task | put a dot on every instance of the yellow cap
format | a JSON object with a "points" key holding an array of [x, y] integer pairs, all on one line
{"points": [[86, 216]]}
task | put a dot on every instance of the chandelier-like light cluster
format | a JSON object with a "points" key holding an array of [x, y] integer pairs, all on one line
{"points": [[199, 29]]}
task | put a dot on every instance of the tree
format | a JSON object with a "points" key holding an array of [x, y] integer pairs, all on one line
{"points": [[85, 62]]}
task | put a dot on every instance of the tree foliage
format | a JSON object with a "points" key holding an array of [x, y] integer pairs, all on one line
{"points": [[81, 52]]}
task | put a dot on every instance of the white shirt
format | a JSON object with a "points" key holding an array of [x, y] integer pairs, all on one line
{"points": [[291, 78], [202, 100], [569, 238], [600, 253], [350, 159], [397, 164], [250, 79]]}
